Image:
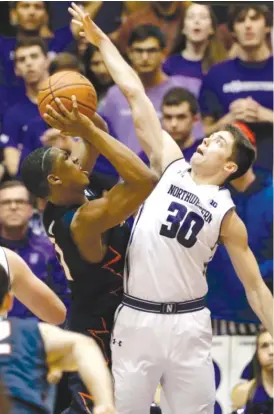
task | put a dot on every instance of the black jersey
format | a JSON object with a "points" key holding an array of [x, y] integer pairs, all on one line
{"points": [[23, 367], [96, 288]]}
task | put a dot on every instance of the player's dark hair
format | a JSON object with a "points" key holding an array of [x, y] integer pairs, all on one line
{"points": [[143, 32], [176, 96], [4, 284], [65, 61], [35, 169], [243, 152], [236, 13], [31, 41]]}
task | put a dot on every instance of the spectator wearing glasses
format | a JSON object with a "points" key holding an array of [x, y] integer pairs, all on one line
{"points": [[241, 89], [37, 251], [146, 52]]}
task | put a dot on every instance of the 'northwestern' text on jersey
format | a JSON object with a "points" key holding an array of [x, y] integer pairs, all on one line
{"points": [[175, 235]]}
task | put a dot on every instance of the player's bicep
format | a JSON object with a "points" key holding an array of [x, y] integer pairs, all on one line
{"points": [[235, 239]]}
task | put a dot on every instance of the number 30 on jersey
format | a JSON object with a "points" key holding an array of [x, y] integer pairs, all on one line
{"points": [[182, 225]]}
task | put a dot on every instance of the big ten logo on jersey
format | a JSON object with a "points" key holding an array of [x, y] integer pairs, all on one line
{"points": [[213, 203], [5, 332]]}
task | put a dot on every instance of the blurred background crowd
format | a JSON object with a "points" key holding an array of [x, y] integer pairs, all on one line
{"points": [[203, 65]]}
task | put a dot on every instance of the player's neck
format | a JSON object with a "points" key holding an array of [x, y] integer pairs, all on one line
{"points": [[152, 79], [200, 178], [14, 233], [241, 184], [194, 51], [69, 198], [258, 54]]}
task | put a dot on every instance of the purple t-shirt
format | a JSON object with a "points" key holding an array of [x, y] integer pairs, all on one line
{"points": [[178, 65], [188, 152], [235, 79], [60, 42], [116, 110], [16, 122]]}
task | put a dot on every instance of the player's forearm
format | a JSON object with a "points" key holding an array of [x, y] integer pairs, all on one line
{"points": [[122, 74], [261, 301], [127, 164], [94, 372]]}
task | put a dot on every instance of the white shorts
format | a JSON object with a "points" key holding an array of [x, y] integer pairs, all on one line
{"points": [[149, 348]]}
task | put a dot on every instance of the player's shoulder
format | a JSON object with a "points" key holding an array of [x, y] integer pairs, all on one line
{"points": [[178, 166]]}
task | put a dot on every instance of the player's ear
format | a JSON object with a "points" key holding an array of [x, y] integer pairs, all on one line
{"points": [[230, 167], [53, 180]]}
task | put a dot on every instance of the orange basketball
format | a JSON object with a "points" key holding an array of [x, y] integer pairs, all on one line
{"points": [[63, 85]]}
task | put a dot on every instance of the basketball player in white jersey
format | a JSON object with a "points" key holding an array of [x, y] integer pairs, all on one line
{"points": [[163, 330], [30, 290]]}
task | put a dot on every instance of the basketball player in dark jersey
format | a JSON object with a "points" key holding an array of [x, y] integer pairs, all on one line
{"points": [[88, 230], [33, 354]]}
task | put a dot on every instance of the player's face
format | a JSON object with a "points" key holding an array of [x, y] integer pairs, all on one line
{"points": [[67, 172], [31, 64], [250, 29], [212, 156], [15, 207], [197, 24], [178, 121], [99, 69], [265, 351], [146, 56], [31, 15]]}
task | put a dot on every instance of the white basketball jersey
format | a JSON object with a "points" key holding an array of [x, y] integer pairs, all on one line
{"points": [[4, 261], [174, 236]]}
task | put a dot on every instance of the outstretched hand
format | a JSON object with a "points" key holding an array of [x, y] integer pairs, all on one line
{"points": [[89, 29], [69, 123]]}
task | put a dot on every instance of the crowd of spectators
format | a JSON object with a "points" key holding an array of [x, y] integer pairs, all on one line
{"points": [[199, 72]]}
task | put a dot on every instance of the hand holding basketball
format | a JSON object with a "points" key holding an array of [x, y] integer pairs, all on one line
{"points": [[89, 29], [69, 123]]}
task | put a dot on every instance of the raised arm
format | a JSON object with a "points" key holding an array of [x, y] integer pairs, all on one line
{"points": [[235, 239], [34, 293], [95, 217], [160, 148], [69, 351]]}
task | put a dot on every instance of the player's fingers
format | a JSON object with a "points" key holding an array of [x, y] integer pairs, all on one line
{"points": [[62, 108], [75, 106], [74, 13], [54, 114], [53, 122], [77, 22], [78, 9]]}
